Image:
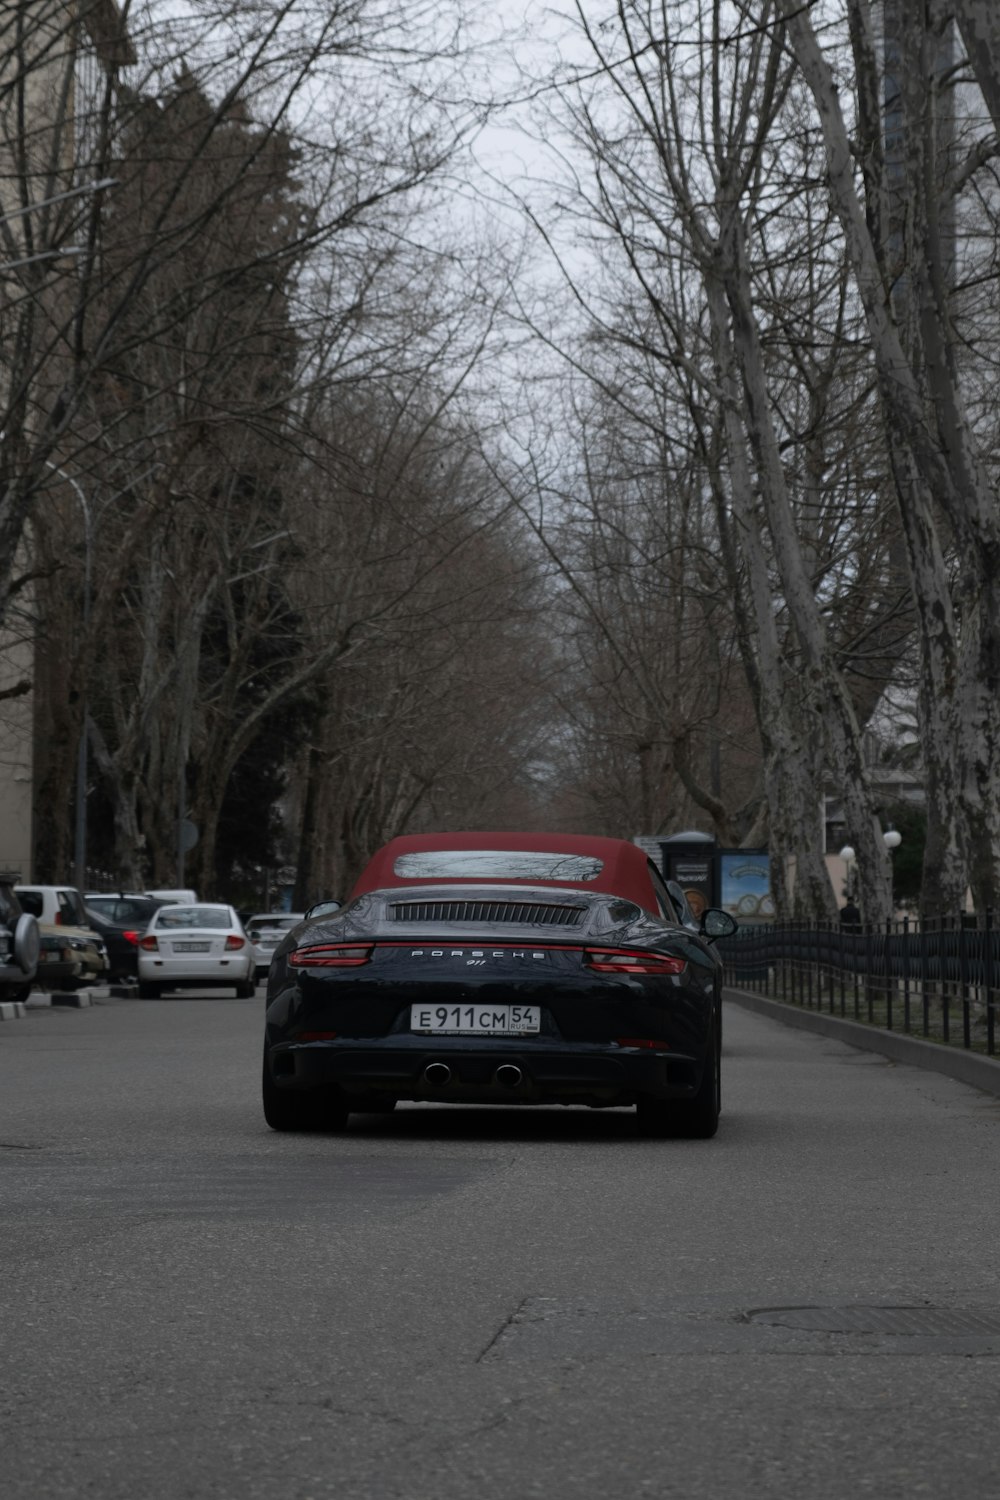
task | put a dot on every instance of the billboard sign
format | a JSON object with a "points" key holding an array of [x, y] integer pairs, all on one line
{"points": [[745, 885]]}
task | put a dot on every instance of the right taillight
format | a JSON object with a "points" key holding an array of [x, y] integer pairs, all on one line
{"points": [[131, 937], [331, 956], [149, 944], [622, 961]]}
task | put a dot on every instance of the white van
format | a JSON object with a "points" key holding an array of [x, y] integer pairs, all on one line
{"points": [[183, 898]]}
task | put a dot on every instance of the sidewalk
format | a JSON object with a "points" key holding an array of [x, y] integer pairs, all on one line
{"points": [[968, 1067]]}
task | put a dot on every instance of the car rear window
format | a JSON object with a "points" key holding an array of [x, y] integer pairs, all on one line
{"points": [[172, 917], [495, 864], [71, 909], [124, 908]]}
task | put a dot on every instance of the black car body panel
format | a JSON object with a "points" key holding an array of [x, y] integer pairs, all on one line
{"points": [[602, 1038], [120, 922]]}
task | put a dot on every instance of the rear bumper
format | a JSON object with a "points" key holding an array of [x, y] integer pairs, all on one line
{"points": [[59, 972], [197, 970], [594, 1074]]}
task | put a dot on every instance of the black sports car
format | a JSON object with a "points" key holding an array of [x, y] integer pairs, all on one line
{"points": [[502, 993]]}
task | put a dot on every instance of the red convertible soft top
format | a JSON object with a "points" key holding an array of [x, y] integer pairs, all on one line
{"points": [[612, 866]]}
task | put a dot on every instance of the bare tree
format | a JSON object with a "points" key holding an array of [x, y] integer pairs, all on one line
{"points": [[156, 372], [696, 138], [945, 472]]}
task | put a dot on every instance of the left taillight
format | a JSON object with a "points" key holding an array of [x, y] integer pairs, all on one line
{"points": [[149, 944], [621, 961], [331, 955]]}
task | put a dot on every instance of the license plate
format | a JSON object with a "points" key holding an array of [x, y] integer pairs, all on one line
{"points": [[192, 947], [476, 1020]]}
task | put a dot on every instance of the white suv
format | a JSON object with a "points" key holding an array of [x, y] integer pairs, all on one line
{"points": [[60, 912], [56, 905]]}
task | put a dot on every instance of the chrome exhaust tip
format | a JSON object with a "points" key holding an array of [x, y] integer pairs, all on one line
{"points": [[437, 1074], [508, 1076]]}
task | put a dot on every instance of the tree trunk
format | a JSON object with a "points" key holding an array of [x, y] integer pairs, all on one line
{"points": [[793, 760], [826, 699]]}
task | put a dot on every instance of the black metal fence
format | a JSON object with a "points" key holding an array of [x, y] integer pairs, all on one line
{"points": [[930, 978]]}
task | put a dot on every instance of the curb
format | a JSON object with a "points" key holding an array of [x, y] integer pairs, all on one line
{"points": [[17, 1010], [968, 1067], [71, 999]]}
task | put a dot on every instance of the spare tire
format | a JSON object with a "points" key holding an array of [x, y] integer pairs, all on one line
{"points": [[27, 944]]}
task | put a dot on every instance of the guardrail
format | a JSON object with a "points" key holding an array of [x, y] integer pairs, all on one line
{"points": [[935, 978]]}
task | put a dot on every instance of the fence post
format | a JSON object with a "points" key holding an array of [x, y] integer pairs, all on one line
{"points": [[796, 971], [988, 977], [945, 1001], [890, 982], [809, 975], [906, 975], [841, 940], [831, 981], [963, 980], [784, 962], [925, 976]]}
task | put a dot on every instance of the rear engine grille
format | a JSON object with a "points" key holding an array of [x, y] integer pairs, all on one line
{"points": [[533, 913]]}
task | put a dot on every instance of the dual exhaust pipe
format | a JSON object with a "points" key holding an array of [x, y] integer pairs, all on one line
{"points": [[437, 1074]]}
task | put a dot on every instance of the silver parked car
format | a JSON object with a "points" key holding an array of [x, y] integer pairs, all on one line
{"points": [[195, 947], [266, 929]]}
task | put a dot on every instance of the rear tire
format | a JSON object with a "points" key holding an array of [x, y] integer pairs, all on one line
{"points": [[697, 1119], [294, 1110], [694, 1119], [149, 991], [246, 989]]}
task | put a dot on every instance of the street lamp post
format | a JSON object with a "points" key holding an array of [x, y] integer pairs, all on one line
{"points": [[847, 855], [892, 839], [80, 829]]}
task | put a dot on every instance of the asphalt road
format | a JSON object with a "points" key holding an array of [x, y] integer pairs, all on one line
{"points": [[445, 1304]]}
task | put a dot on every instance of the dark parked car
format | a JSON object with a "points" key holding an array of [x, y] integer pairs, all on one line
{"points": [[121, 921], [499, 968], [19, 946]]}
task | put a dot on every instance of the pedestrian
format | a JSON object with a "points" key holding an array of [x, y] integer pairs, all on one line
{"points": [[849, 914]]}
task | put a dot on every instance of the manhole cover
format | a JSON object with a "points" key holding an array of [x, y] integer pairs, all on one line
{"points": [[912, 1322]]}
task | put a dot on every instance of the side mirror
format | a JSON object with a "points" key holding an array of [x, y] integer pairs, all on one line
{"points": [[253, 934], [716, 923]]}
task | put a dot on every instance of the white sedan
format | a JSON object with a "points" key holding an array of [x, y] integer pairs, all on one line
{"points": [[198, 946], [266, 930]]}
